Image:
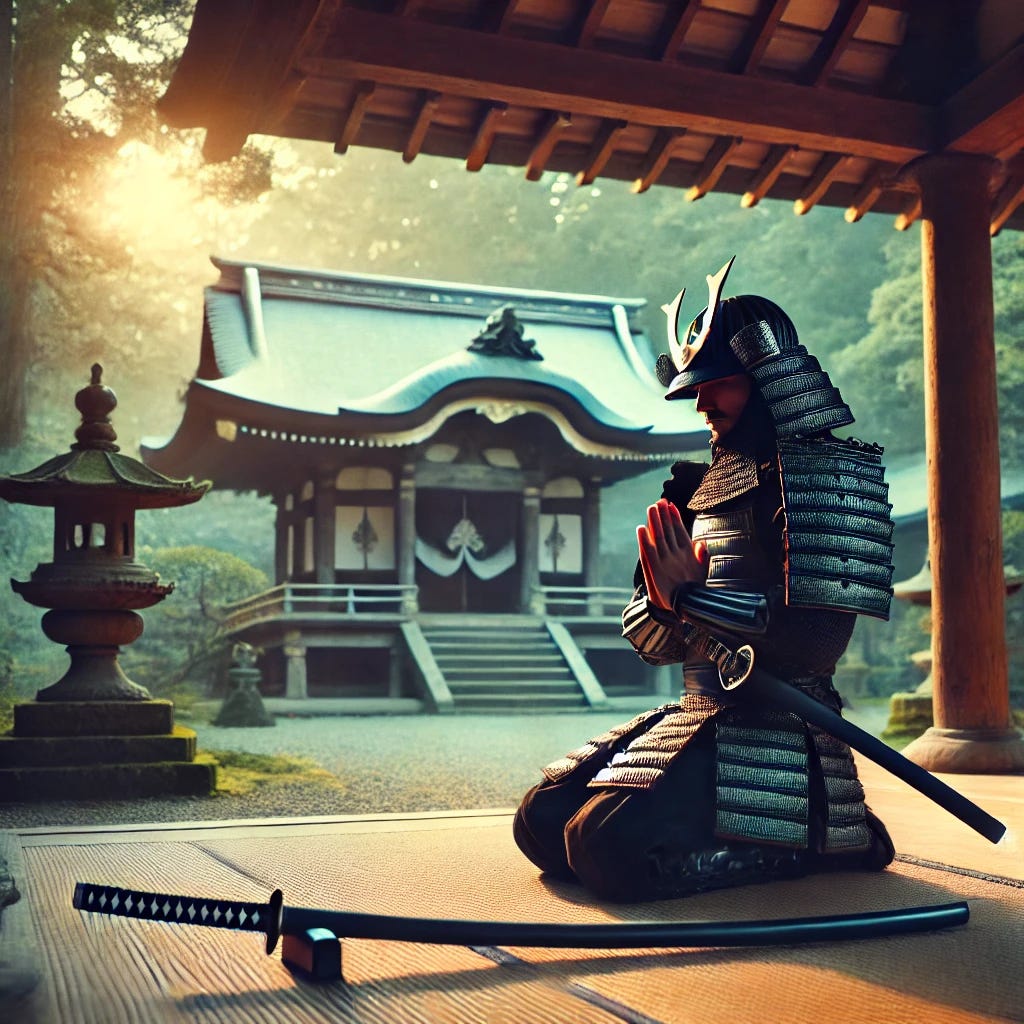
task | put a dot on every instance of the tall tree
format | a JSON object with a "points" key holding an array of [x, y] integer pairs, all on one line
{"points": [[78, 79]]}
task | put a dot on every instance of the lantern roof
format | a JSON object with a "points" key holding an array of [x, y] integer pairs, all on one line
{"points": [[94, 468]]}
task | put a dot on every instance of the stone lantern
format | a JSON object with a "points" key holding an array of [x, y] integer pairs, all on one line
{"points": [[94, 716]]}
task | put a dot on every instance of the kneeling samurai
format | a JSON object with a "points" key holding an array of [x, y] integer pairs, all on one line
{"points": [[777, 544]]}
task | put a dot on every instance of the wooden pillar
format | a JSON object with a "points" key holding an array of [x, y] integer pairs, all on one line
{"points": [[282, 538], [324, 501], [592, 542], [405, 539], [529, 551], [972, 730]]}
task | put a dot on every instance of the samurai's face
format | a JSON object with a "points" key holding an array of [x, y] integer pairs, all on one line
{"points": [[722, 402]]}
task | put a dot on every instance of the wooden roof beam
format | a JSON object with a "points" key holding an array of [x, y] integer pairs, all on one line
{"points": [[711, 169], [679, 15], [665, 94], [845, 22], [747, 57], [817, 184], [428, 106], [554, 126], [605, 141], [657, 159], [1008, 198], [987, 114], [911, 212], [587, 26], [767, 174], [485, 132], [353, 119], [867, 196]]}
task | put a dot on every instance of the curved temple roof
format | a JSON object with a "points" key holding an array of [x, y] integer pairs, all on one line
{"points": [[316, 357]]}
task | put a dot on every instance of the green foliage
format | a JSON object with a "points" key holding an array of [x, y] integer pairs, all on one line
{"points": [[181, 641], [240, 773]]}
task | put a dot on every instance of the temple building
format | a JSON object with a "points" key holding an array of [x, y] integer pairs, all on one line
{"points": [[436, 455]]}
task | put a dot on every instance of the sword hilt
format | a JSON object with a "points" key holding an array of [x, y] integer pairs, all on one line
{"points": [[155, 906]]}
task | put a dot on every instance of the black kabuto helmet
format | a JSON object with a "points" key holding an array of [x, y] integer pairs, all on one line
{"points": [[751, 334]]}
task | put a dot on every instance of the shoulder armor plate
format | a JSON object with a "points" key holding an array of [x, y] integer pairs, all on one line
{"points": [[838, 526]]}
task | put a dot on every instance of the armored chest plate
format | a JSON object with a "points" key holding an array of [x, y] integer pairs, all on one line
{"points": [[736, 558]]}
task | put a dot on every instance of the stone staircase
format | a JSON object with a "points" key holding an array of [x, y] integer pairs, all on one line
{"points": [[514, 667]]}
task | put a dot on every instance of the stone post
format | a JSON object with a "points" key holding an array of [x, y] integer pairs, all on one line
{"points": [[406, 537], [295, 666]]}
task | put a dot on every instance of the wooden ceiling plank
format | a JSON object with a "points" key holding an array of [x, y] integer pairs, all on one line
{"points": [[817, 185], [1009, 197], [521, 72], [711, 169], [747, 57], [362, 95], [604, 145], [845, 22], [679, 15], [589, 24], [428, 107], [867, 196], [767, 174], [555, 124], [484, 136], [657, 159]]}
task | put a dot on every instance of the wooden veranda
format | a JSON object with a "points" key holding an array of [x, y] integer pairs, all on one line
{"points": [[913, 108]]}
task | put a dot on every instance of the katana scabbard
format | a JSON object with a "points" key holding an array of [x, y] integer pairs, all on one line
{"points": [[275, 919]]}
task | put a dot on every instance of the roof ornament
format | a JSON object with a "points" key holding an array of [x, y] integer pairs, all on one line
{"points": [[502, 335], [684, 353]]}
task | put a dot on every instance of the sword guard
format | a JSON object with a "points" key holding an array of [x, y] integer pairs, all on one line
{"points": [[738, 667]]}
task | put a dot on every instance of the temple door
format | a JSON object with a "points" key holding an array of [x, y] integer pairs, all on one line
{"points": [[466, 557]]}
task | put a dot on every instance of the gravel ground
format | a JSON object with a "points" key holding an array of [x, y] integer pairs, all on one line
{"points": [[385, 764]]}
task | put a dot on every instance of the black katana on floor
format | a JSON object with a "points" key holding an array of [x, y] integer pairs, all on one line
{"points": [[275, 919]]}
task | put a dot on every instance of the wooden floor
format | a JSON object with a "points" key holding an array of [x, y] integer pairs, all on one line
{"points": [[110, 970]]}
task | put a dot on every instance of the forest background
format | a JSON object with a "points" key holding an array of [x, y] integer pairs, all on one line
{"points": [[108, 219]]}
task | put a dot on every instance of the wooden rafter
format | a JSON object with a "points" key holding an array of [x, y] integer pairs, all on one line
{"points": [[425, 114], [711, 169], [747, 57], [604, 145], [845, 22], [817, 184], [679, 15], [1008, 198], [587, 26], [361, 96], [767, 174], [911, 212], [484, 137], [523, 72], [657, 159], [555, 124], [986, 115], [867, 195], [497, 15]]}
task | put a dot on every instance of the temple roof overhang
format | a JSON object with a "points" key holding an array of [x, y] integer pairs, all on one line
{"points": [[820, 102], [292, 358]]}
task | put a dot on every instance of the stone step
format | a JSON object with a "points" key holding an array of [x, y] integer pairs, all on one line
{"points": [[108, 781], [59, 751], [506, 672], [94, 718], [528, 703], [488, 635], [455, 659], [491, 687]]}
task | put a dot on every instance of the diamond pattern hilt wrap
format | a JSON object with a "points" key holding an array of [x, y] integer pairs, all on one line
{"points": [[154, 906]]}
